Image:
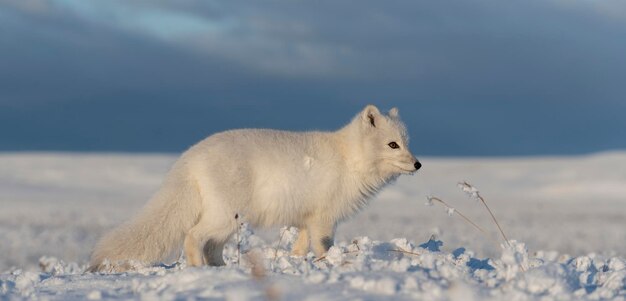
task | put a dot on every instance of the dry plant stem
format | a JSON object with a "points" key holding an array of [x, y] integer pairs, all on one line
{"points": [[346, 252], [494, 219], [280, 240], [238, 240], [460, 214], [499, 228], [404, 251]]}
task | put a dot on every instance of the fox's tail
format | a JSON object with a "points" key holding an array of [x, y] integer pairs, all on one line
{"points": [[154, 233]]}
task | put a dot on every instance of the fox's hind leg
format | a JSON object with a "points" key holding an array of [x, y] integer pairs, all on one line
{"points": [[205, 241], [194, 257], [301, 246], [213, 253]]}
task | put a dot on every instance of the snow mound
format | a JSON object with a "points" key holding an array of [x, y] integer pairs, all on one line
{"points": [[358, 269]]}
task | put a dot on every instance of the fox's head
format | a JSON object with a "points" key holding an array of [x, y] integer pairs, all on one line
{"points": [[384, 142]]}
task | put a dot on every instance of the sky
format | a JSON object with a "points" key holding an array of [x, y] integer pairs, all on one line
{"points": [[470, 78]]}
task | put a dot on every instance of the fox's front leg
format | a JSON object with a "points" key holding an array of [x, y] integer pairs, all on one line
{"points": [[301, 246], [322, 235]]}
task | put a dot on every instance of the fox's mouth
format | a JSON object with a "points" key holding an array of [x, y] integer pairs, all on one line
{"points": [[405, 170]]}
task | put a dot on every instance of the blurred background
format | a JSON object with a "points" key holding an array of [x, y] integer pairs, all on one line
{"points": [[479, 78]]}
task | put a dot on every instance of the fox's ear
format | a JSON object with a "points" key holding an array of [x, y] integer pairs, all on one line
{"points": [[393, 112], [370, 115]]}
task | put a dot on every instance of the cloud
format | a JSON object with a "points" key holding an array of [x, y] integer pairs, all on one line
{"points": [[350, 40], [36, 7]]}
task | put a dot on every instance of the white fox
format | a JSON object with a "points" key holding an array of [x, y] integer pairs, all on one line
{"points": [[309, 180]]}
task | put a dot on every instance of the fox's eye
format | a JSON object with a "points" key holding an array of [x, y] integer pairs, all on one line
{"points": [[393, 145]]}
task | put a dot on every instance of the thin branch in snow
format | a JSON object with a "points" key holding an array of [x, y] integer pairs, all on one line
{"points": [[451, 210], [474, 193], [280, 240], [404, 251], [238, 238]]}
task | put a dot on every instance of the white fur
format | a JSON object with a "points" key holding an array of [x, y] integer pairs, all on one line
{"points": [[311, 180]]}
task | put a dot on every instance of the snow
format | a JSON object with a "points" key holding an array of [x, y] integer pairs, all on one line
{"points": [[565, 216]]}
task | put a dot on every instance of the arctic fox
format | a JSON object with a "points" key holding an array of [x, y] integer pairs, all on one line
{"points": [[310, 180]]}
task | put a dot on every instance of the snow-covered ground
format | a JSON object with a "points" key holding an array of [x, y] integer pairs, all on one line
{"points": [[567, 216]]}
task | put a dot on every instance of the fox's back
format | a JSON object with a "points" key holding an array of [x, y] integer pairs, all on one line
{"points": [[271, 173], [269, 148]]}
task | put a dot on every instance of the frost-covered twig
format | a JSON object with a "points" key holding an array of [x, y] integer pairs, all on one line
{"points": [[451, 210], [354, 242], [474, 193], [280, 240], [237, 237], [345, 252], [404, 251]]}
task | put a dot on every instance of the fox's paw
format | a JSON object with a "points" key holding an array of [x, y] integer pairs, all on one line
{"points": [[299, 252]]}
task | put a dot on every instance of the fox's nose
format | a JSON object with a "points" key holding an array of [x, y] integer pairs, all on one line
{"points": [[417, 165]]}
